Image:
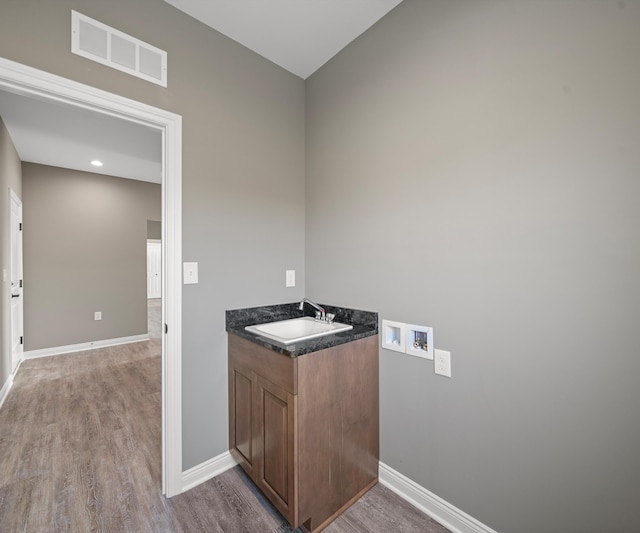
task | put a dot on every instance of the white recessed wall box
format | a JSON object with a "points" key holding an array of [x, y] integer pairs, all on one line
{"points": [[419, 341], [103, 44], [393, 335]]}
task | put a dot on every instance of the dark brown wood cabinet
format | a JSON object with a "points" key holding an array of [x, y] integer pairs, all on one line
{"points": [[305, 429]]}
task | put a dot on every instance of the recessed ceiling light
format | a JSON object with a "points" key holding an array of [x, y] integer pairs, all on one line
{"points": [[96, 163]]}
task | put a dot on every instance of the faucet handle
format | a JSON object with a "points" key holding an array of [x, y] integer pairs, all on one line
{"points": [[330, 317], [318, 315]]}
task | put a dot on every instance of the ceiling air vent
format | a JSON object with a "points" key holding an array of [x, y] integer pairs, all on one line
{"points": [[99, 42]]}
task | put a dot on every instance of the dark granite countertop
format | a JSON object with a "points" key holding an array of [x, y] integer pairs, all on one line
{"points": [[365, 324]]}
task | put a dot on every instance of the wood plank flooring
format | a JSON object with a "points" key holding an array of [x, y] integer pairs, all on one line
{"points": [[80, 450], [154, 317]]}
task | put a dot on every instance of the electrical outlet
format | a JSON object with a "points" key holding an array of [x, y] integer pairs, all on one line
{"points": [[442, 363], [97, 315]]}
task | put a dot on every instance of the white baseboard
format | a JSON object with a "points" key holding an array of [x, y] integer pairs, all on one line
{"points": [[443, 512], [4, 392], [205, 471], [71, 348]]}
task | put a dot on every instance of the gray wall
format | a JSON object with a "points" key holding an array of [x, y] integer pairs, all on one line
{"points": [[10, 177], [470, 166], [85, 250], [474, 166], [154, 229], [243, 172]]}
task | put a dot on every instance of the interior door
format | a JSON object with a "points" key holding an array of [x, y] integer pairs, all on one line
{"points": [[15, 277], [154, 262]]}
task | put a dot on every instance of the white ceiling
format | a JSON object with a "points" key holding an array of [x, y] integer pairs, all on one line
{"points": [[61, 135], [298, 35]]}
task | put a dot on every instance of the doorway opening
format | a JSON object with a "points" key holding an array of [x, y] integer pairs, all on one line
{"points": [[28, 81]]}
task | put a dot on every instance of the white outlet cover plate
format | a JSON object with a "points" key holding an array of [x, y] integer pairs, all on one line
{"points": [[442, 363]]}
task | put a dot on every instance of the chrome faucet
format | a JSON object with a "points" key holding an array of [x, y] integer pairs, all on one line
{"points": [[314, 305]]}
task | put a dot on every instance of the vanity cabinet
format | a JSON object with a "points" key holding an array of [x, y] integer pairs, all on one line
{"points": [[305, 429]]}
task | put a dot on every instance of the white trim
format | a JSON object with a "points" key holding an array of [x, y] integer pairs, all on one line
{"points": [[205, 471], [172, 307], [25, 80], [4, 392], [440, 510], [454, 519], [91, 345]]}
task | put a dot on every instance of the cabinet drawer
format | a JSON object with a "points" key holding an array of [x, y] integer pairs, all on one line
{"points": [[279, 369]]}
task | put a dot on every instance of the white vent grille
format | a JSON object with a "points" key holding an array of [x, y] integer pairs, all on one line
{"points": [[99, 42]]}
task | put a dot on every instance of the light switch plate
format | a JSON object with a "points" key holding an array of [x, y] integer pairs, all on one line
{"points": [[190, 273], [442, 363], [290, 276]]}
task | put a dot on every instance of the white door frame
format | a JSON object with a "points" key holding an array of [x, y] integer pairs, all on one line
{"points": [[21, 79]]}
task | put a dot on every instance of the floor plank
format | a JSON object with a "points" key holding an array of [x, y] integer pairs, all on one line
{"points": [[80, 450], [154, 317]]}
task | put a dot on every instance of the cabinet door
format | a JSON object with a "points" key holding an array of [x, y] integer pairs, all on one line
{"points": [[276, 421], [242, 400]]}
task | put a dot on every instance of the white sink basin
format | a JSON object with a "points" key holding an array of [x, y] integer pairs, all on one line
{"points": [[297, 329]]}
